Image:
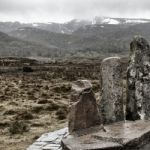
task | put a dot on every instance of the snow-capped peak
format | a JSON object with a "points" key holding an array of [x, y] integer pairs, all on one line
{"points": [[105, 20], [108, 20], [35, 25], [136, 21]]}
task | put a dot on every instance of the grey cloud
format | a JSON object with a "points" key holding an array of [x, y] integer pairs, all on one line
{"points": [[62, 10]]}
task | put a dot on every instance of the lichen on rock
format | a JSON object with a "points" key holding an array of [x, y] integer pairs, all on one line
{"points": [[111, 104], [83, 107], [138, 80]]}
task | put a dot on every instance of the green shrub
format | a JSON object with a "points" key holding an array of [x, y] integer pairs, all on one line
{"points": [[18, 127]]}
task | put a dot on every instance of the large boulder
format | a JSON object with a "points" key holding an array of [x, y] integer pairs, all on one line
{"points": [[127, 135], [83, 107], [111, 104], [138, 80]]}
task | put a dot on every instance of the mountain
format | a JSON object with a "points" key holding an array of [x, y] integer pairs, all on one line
{"points": [[90, 40], [71, 26], [65, 28], [129, 21], [101, 37], [43, 37], [110, 38], [10, 46]]}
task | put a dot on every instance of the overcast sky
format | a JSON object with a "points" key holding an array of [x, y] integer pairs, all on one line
{"points": [[65, 10]]}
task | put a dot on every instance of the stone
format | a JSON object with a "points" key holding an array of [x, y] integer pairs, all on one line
{"points": [[111, 103], [50, 141], [83, 110], [127, 135], [138, 80], [88, 143]]}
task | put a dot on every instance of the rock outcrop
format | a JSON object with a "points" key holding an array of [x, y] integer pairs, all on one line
{"points": [[138, 80], [111, 104], [83, 107], [91, 128], [49, 141], [127, 135]]}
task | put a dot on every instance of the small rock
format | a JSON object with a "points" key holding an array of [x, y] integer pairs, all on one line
{"points": [[50, 141], [83, 108]]}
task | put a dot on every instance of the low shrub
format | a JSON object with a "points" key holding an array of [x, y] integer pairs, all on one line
{"points": [[18, 127]]}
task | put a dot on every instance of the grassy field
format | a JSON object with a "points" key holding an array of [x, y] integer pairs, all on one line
{"points": [[34, 97]]}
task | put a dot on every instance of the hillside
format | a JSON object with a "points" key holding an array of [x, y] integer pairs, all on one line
{"points": [[49, 39], [10, 46], [108, 38], [101, 37], [88, 41], [71, 26], [66, 28]]}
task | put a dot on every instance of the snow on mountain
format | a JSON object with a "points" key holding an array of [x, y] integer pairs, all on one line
{"points": [[62, 32], [49, 23], [71, 26], [137, 21], [21, 29], [35, 25], [108, 20], [105, 20]]}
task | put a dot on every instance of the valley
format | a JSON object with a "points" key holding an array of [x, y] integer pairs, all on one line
{"points": [[101, 37]]}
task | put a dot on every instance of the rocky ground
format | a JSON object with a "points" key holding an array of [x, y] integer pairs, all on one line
{"points": [[34, 98]]}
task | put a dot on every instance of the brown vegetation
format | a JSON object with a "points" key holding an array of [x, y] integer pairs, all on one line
{"points": [[36, 102]]}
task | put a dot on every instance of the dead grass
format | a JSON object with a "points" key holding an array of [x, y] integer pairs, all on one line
{"points": [[36, 102], [29, 107], [18, 127]]}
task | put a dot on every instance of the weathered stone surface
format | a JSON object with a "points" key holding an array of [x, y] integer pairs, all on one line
{"points": [[111, 104], [83, 108], [138, 80], [118, 136], [49, 141], [88, 143]]}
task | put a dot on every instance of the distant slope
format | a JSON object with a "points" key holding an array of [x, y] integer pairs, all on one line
{"points": [[87, 41], [111, 38], [100, 39], [10, 46], [49, 39], [64, 28], [71, 26], [129, 21]]}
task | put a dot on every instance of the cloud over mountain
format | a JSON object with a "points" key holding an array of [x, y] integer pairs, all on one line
{"points": [[64, 10]]}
